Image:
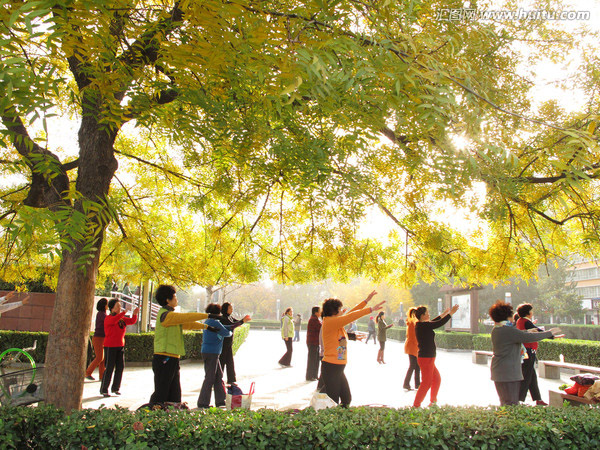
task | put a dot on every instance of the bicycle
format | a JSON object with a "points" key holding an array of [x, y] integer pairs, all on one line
{"points": [[18, 385]]}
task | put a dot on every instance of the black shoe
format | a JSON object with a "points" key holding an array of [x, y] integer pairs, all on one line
{"points": [[116, 393], [105, 394], [91, 378], [407, 388]]}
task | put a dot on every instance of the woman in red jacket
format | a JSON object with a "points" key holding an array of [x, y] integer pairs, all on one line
{"points": [[114, 343]]}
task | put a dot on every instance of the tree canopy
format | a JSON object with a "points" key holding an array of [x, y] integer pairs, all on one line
{"points": [[257, 135]]}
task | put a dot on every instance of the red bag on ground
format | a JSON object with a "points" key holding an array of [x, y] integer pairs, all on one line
{"points": [[573, 390], [582, 390]]}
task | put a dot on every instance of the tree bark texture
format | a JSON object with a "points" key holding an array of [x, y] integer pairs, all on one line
{"points": [[71, 319]]}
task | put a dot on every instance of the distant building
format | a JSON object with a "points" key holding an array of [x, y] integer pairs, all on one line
{"points": [[586, 275]]}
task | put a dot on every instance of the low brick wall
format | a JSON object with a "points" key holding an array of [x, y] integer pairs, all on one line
{"points": [[34, 316]]}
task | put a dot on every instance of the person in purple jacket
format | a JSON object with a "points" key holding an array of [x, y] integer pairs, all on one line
{"points": [[98, 341]]}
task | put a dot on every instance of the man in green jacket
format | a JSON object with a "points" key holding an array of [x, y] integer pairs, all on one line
{"points": [[168, 344]]}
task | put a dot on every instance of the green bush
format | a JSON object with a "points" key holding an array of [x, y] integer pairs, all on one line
{"points": [[583, 332], [454, 340], [138, 347], [268, 324], [482, 342], [574, 351], [357, 427], [25, 339]]}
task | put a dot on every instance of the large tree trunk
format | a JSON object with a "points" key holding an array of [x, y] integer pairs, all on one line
{"points": [[69, 332], [72, 315]]}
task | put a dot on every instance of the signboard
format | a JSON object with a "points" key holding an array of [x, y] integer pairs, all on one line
{"points": [[462, 317], [596, 303]]}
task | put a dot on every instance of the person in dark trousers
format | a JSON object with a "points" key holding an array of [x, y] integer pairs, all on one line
{"points": [[287, 333], [313, 329], [371, 330], [382, 328], [114, 345], [168, 344], [335, 345], [529, 383], [411, 348], [506, 344], [226, 357], [297, 325], [98, 341], [212, 344], [424, 330]]}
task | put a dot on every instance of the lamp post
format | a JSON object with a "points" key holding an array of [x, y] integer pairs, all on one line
{"points": [[508, 298], [278, 304], [440, 306]]}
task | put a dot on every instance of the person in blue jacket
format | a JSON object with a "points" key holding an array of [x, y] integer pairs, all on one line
{"points": [[212, 345]]}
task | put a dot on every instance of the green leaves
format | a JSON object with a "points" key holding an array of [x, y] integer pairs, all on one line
{"points": [[445, 427]]}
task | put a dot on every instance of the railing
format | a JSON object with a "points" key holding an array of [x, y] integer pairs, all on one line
{"points": [[132, 301]]}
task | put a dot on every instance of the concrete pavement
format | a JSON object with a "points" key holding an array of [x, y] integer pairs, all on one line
{"points": [[463, 383]]}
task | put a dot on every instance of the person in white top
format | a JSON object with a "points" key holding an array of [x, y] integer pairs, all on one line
{"points": [[4, 306]]}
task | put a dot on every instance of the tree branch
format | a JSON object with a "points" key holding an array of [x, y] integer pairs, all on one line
{"points": [[47, 190]]}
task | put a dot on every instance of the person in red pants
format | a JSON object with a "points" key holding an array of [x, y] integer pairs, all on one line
{"points": [[424, 329], [98, 341]]}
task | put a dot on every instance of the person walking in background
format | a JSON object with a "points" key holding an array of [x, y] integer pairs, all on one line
{"points": [[507, 341], [5, 307], [530, 382], [382, 328], [424, 330], [352, 328], [297, 325], [98, 341], [411, 348], [287, 333], [114, 345], [226, 358], [371, 330], [212, 344], [169, 346], [313, 329], [335, 343]]}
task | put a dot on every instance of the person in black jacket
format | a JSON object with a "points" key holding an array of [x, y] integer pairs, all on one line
{"points": [[424, 330], [226, 357]]}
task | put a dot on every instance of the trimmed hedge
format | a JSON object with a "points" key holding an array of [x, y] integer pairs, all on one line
{"points": [[454, 340], [582, 352], [574, 351], [25, 339], [583, 332], [361, 427], [269, 324], [138, 347]]}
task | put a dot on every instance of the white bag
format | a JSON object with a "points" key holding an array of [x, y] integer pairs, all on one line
{"points": [[243, 401], [320, 400]]}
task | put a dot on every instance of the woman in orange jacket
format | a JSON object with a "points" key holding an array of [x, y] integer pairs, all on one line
{"points": [[335, 339], [411, 348]]}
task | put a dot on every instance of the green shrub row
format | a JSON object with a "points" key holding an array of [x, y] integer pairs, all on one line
{"points": [[269, 324], [361, 427], [583, 332], [574, 351], [138, 347], [25, 339]]}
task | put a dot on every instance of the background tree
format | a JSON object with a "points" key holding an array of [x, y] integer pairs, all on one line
{"points": [[260, 121], [558, 300]]}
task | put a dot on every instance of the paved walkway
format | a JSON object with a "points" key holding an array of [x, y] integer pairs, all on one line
{"points": [[463, 383]]}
